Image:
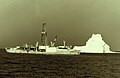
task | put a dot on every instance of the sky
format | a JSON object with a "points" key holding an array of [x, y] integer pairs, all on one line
{"points": [[72, 20]]}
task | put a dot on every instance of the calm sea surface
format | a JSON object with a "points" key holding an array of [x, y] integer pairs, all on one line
{"points": [[59, 66]]}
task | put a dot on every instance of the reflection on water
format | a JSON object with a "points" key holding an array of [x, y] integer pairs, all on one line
{"points": [[59, 66]]}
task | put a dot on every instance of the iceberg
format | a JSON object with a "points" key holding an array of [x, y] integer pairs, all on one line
{"points": [[95, 44]]}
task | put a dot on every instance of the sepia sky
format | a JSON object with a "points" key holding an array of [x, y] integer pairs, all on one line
{"points": [[72, 20]]}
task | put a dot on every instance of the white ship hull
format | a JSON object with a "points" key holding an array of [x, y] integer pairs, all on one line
{"points": [[64, 52]]}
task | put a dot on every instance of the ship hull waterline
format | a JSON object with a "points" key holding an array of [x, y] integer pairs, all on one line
{"points": [[44, 53]]}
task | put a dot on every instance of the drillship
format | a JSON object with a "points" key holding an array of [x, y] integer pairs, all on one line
{"points": [[44, 48]]}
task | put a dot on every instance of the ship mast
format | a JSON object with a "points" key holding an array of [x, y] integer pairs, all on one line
{"points": [[44, 35], [54, 41]]}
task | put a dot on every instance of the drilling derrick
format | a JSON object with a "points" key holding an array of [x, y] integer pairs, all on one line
{"points": [[44, 35]]}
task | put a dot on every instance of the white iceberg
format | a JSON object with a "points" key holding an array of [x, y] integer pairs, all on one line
{"points": [[94, 45]]}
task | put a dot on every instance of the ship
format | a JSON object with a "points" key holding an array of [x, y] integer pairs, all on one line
{"points": [[44, 48]]}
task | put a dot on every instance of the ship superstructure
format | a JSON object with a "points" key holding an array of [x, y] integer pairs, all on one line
{"points": [[44, 48]]}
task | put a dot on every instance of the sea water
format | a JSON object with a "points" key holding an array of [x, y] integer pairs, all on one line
{"points": [[59, 66]]}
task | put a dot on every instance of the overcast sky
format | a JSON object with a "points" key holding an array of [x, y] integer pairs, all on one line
{"points": [[72, 20]]}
